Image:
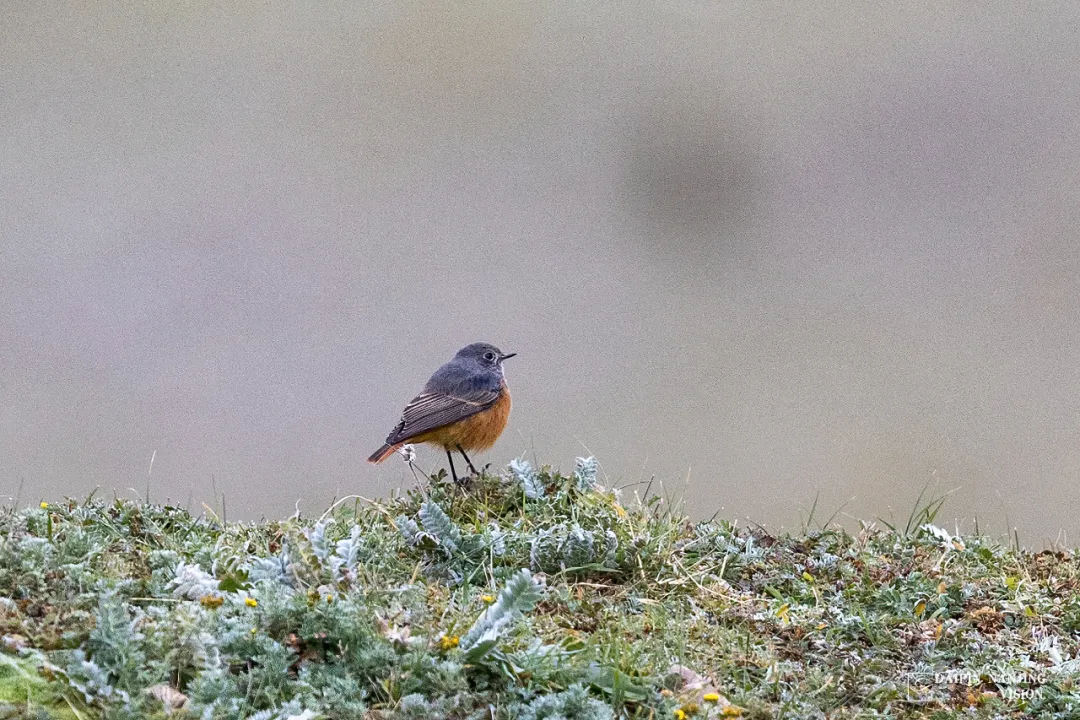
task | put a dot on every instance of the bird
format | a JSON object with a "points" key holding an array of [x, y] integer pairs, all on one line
{"points": [[463, 406]]}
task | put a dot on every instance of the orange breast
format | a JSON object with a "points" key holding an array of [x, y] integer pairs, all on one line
{"points": [[478, 432]]}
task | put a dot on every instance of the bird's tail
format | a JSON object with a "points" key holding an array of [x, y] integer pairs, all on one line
{"points": [[382, 453]]}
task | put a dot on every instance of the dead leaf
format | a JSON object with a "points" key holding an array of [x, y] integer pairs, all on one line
{"points": [[172, 698]]}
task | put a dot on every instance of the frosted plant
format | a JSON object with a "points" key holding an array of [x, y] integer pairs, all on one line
{"points": [[192, 582], [408, 529], [545, 550], [89, 678], [288, 711], [561, 547], [495, 539], [520, 595], [528, 478], [578, 550], [572, 704], [346, 554], [320, 544], [585, 473], [275, 569], [611, 546], [439, 525]]}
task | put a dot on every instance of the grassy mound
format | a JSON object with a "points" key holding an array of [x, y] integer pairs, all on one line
{"points": [[528, 595]]}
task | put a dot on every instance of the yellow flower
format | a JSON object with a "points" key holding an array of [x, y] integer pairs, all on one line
{"points": [[679, 714], [251, 602], [254, 631], [211, 601], [329, 598], [488, 598], [449, 641], [44, 504], [711, 697], [731, 711]]}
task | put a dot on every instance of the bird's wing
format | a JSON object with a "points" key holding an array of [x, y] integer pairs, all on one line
{"points": [[430, 410]]}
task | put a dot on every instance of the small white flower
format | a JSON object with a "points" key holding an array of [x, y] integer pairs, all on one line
{"points": [[1055, 655], [408, 452]]}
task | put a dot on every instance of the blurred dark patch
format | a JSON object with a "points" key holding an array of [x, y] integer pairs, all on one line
{"points": [[691, 186]]}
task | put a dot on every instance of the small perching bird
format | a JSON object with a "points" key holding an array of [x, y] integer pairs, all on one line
{"points": [[464, 406]]}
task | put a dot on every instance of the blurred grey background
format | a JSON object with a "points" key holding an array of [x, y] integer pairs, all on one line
{"points": [[763, 252]]}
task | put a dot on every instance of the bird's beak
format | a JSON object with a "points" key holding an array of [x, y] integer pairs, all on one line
{"points": [[507, 355]]}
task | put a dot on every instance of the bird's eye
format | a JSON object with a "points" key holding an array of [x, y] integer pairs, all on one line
{"points": [[489, 356]]}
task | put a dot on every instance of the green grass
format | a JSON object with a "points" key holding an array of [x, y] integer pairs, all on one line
{"points": [[527, 595]]}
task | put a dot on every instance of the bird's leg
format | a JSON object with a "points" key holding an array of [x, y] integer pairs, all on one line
{"points": [[467, 460], [453, 473]]}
